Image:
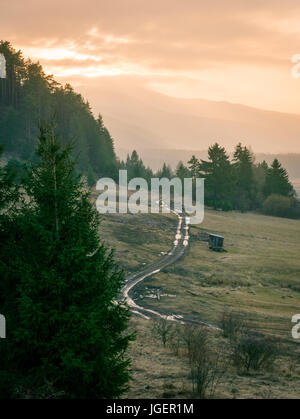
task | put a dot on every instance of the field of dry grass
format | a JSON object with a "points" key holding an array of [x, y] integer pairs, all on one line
{"points": [[258, 275], [157, 372]]}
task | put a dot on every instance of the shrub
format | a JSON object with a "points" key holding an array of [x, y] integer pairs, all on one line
{"points": [[252, 351], [277, 205], [231, 323], [194, 339], [206, 370]]}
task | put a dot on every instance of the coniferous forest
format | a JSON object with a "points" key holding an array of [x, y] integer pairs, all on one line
{"points": [[28, 96]]}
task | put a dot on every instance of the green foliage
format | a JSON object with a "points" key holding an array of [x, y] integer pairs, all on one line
{"points": [[165, 172], [277, 181], [91, 179], [217, 172], [243, 185], [182, 171], [65, 326], [277, 205], [17, 169], [28, 96], [136, 168]]}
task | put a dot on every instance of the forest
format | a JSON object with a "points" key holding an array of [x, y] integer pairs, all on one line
{"points": [[231, 184], [28, 97]]}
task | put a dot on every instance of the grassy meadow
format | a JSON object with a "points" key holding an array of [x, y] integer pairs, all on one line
{"points": [[258, 276]]}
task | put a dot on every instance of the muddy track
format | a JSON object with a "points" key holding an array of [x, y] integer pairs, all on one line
{"points": [[180, 246]]}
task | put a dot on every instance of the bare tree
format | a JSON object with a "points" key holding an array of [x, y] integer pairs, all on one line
{"points": [[162, 328]]}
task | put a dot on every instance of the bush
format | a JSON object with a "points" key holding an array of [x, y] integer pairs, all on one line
{"points": [[252, 351], [206, 373], [231, 323], [278, 205], [205, 363], [195, 340]]}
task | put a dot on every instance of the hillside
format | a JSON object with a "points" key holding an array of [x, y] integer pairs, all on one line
{"points": [[28, 96], [143, 119]]}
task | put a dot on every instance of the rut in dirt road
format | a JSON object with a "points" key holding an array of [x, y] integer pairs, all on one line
{"points": [[178, 250]]}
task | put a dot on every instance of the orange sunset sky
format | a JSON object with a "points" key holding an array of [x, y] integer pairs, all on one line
{"points": [[235, 50]]}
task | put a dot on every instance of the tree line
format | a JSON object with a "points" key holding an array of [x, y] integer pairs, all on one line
{"points": [[29, 96], [241, 184], [237, 183]]}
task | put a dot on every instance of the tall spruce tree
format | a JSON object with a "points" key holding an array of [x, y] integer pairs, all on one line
{"points": [[244, 178], [217, 172], [277, 181], [9, 197], [194, 167], [68, 328], [164, 172]]}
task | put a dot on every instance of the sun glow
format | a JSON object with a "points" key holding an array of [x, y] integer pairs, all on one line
{"points": [[59, 54]]}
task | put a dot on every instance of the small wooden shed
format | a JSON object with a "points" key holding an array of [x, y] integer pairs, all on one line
{"points": [[216, 242]]}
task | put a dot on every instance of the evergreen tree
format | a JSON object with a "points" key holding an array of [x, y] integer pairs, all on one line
{"points": [[136, 168], [260, 172], [218, 177], [165, 172], [182, 171], [9, 197], [277, 181], [67, 328], [194, 167], [244, 178]]}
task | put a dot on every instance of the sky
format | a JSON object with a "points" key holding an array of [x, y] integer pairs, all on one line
{"points": [[235, 50]]}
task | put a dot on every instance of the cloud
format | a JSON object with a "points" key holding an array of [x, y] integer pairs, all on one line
{"points": [[167, 38]]}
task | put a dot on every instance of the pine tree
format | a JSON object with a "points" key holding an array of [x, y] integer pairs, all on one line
{"points": [[277, 181], [182, 171], [260, 172], [244, 178], [165, 172], [9, 198], [194, 167], [136, 168], [218, 177], [69, 330]]}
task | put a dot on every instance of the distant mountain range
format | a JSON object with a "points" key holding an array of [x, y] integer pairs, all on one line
{"points": [[143, 119]]}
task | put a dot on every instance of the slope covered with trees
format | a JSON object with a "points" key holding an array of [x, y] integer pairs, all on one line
{"points": [[28, 96], [242, 184]]}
